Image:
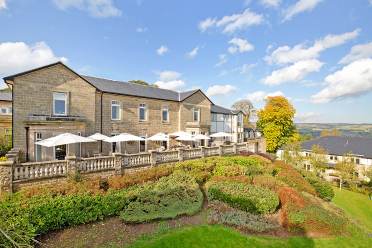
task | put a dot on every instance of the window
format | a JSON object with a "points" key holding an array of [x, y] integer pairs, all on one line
{"points": [[115, 110], [59, 103], [6, 111], [38, 137], [142, 144], [165, 114], [142, 112], [357, 161], [240, 120], [115, 146], [196, 114]]}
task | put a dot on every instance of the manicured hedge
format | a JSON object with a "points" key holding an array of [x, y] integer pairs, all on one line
{"points": [[169, 197], [323, 188], [250, 198], [23, 218]]}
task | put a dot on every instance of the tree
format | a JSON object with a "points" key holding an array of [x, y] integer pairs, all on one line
{"points": [[246, 107], [318, 158], [331, 132], [346, 169], [275, 121], [292, 155], [141, 82]]}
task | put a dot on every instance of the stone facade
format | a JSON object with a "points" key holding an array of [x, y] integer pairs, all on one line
{"points": [[5, 120], [89, 111]]}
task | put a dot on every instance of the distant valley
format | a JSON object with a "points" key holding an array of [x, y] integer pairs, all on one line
{"points": [[354, 130]]}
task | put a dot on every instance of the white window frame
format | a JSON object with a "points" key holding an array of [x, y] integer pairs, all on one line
{"points": [[193, 114], [117, 104], [165, 108], [144, 107], [66, 103]]}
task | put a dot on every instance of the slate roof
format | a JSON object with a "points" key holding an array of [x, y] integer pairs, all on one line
{"points": [[338, 145], [6, 96], [222, 110], [123, 88]]}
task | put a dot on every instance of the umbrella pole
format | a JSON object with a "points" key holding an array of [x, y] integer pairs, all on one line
{"points": [[100, 147]]}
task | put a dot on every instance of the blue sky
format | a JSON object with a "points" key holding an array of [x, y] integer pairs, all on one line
{"points": [[318, 53]]}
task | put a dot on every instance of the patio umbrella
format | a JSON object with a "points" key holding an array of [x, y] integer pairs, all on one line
{"points": [[220, 135], [63, 139], [98, 137], [124, 137], [159, 137], [201, 137], [185, 137]]}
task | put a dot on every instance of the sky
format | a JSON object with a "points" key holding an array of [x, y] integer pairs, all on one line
{"points": [[317, 53]]}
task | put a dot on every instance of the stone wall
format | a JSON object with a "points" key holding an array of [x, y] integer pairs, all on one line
{"points": [[15, 175]]}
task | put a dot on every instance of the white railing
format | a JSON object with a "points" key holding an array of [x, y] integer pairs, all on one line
{"points": [[38, 170], [241, 147], [192, 153], [167, 156], [117, 162], [96, 164], [139, 159], [229, 149], [211, 151]]}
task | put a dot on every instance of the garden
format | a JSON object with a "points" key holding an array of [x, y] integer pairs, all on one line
{"points": [[231, 201]]}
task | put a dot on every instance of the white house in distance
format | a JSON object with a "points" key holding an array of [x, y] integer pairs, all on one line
{"points": [[228, 121], [359, 150]]}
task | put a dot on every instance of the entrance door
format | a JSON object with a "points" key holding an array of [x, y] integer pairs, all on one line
{"points": [[60, 152]]}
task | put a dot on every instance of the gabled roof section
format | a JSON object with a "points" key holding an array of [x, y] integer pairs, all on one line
{"points": [[338, 145], [222, 110], [120, 87]]}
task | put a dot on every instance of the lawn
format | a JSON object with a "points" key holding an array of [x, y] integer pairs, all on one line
{"points": [[218, 236], [356, 205]]}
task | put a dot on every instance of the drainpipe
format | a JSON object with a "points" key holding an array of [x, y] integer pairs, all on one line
{"points": [[27, 131], [101, 122]]}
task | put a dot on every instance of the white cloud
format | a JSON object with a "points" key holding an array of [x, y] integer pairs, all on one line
{"points": [[170, 80], [232, 23], [286, 54], [141, 29], [240, 45], [192, 54], [2, 4], [216, 90], [19, 56], [352, 80], [271, 3], [307, 117], [96, 8], [370, 2], [162, 50], [260, 96], [295, 72], [221, 60], [357, 52], [246, 68], [299, 7], [207, 23]]}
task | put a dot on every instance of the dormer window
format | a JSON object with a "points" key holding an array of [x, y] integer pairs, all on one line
{"points": [[60, 103]]}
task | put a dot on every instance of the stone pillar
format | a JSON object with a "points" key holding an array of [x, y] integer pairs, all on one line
{"points": [[235, 150], [202, 148], [262, 145], [119, 163], [153, 158], [220, 150], [180, 154], [6, 176], [72, 168]]}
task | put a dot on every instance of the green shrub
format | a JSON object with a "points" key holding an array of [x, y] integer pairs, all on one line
{"points": [[199, 169], [169, 197], [323, 188], [219, 213], [250, 198]]}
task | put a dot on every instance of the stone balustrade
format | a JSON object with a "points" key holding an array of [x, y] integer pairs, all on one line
{"points": [[13, 172]]}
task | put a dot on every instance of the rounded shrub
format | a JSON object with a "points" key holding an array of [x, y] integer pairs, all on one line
{"points": [[250, 198]]}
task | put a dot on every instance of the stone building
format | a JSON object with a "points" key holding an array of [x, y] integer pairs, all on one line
{"points": [[54, 99]]}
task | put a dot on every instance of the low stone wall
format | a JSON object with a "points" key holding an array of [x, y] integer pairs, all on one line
{"points": [[15, 175]]}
